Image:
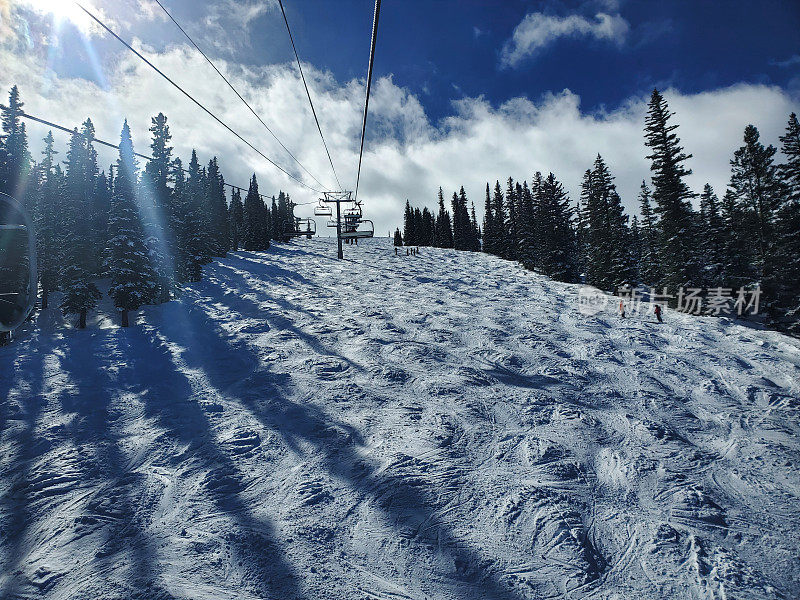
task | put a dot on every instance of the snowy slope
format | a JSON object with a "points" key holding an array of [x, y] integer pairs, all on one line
{"points": [[442, 426]]}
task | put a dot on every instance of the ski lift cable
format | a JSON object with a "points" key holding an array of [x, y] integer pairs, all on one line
{"points": [[235, 91], [369, 87], [308, 93], [193, 99], [110, 145]]}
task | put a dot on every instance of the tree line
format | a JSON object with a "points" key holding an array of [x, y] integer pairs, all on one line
{"points": [[749, 239], [147, 231]]}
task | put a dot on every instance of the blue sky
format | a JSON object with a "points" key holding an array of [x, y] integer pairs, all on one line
{"points": [[505, 86]]}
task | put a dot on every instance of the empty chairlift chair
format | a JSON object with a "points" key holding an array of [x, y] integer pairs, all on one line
{"points": [[18, 281]]}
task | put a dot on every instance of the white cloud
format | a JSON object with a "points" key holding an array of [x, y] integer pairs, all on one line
{"points": [[406, 156], [538, 30], [789, 62]]}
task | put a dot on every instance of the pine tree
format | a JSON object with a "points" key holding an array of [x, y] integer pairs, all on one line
{"points": [[758, 190], [712, 238], [132, 280], [48, 205], [155, 199], [276, 230], [253, 237], [427, 227], [500, 221], [219, 237], [649, 271], [787, 226], [194, 238], [512, 208], [488, 224], [526, 243], [408, 224], [672, 197], [80, 293], [236, 219], [15, 159], [444, 229], [398, 238], [557, 248], [475, 231]]}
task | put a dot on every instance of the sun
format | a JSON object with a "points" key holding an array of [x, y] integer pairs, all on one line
{"points": [[62, 11]]}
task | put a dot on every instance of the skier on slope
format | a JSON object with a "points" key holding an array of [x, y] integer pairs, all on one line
{"points": [[622, 308], [657, 312]]}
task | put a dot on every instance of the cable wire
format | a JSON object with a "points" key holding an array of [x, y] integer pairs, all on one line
{"points": [[192, 98], [305, 85], [235, 91], [369, 87]]}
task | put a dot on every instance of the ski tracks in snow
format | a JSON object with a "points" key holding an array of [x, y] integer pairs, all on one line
{"points": [[440, 426]]}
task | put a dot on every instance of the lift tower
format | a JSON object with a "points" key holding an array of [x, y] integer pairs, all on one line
{"points": [[338, 198]]}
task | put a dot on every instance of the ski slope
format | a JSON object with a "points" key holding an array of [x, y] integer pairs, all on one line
{"points": [[433, 427]]}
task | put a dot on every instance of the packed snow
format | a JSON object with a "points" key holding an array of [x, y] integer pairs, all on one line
{"points": [[439, 426]]}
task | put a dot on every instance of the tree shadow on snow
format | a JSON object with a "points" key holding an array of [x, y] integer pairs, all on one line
{"points": [[405, 503]]}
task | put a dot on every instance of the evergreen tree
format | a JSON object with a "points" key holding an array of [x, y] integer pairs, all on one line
{"points": [[15, 159], [787, 226], [489, 238], [736, 270], [49, 202], [132, 280], [398, 238], [155, 199], [649, 271], [672, 197], [499, 221], [276, 226], [512, 206], [557, 248], [219, 237], [253, 237], [475, 231], [427, 226], [80, 293], [758, 191], [236, 219], [194, 238], [526, 242], [712, 238], [444, 229], [408, 225]]}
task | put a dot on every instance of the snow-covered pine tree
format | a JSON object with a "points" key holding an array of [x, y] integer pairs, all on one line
{"points": [[672, 197], [132, 279], [236, 219], [80, 293]]}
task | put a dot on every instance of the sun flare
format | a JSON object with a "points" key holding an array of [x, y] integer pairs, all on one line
{"points": [[62, 11]]}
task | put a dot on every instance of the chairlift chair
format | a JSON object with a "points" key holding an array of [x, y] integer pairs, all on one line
{"points": [[18, 280], [323, 211], [301, 227]]}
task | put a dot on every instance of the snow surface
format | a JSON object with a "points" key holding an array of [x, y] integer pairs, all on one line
{"points": [[441, 426]]}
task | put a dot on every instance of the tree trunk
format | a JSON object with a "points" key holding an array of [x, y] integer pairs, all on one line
{"points": [[4, 338], [45, 298], [124, 318], [82, 322]]}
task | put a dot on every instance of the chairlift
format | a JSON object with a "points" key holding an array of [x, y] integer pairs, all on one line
{"points": [[18, 280], [301, 227], [323, 211], [364, 228]]}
